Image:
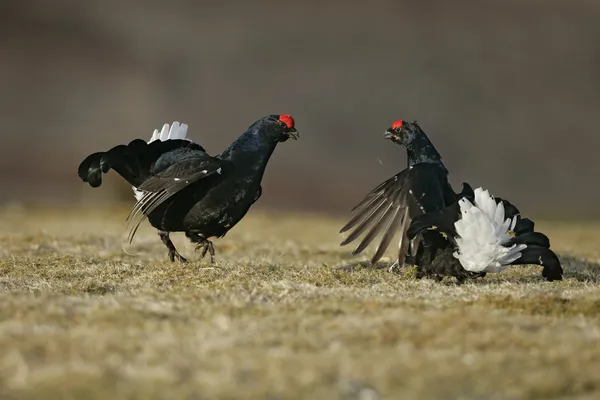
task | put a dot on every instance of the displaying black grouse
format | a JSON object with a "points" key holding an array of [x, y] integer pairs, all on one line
{"points": [[389, 208], [479, 234], [180, 188]]}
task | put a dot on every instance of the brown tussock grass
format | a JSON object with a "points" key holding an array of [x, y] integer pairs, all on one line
{"points": [[276, 319]]}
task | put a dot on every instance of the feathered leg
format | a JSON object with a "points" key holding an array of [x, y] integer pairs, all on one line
{"points": [[173, 253]]}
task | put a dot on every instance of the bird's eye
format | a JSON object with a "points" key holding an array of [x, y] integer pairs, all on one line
{"points": [[282, 124], [398, 129]]}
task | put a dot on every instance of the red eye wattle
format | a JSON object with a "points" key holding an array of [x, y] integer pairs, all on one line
{"points": [[287, 120], [397, 124]]}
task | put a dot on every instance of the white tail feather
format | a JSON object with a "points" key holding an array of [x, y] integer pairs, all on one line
{"points": [[482, 231], [173, 131]]}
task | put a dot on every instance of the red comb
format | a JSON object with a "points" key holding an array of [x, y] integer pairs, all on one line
{"points": [[289, 121], [397, 124]]}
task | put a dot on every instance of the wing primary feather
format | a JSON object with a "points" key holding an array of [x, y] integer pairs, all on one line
{"points": [[367, 200], [384, 222], [142, 203], [378, 191], [136, 206], [362, 214], [390, 231], [164, 195], [136, 216], [368, 220], [402, 242], [374, 231], [133, 231], [150, 200]]}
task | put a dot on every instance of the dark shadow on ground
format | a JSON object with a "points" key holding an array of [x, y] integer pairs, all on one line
{"points": [[577, 268]]}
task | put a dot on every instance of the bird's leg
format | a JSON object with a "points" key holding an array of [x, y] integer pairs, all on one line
{"points": [[396, 266], [206, 246], [173, 253]]}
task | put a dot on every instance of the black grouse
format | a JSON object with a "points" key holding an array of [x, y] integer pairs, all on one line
{"points": [[389, 208], [180, 188], [479, 234]]}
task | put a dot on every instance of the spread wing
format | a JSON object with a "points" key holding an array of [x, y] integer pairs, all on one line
{"points": [[390, 207], [177, 171]]}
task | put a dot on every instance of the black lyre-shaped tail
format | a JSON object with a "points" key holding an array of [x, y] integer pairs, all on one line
{"points": [[132, 161]]}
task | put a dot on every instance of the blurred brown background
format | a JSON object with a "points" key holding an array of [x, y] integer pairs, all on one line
{"points": [[509, 92]]}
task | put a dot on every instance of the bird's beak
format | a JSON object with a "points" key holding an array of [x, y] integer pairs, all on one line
{"points": [[293, 133], [388, 134]]}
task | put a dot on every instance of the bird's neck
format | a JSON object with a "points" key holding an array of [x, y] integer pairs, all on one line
{"points": [[421, 150], [250, 153]]}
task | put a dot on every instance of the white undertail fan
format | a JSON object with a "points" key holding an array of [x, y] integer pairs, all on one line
{"points": [[483, 234], [168, 132]]}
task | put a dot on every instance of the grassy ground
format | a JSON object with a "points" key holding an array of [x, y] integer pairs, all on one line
{"points": [[275, 319]]}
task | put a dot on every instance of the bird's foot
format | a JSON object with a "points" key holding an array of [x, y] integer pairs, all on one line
{"points": [[207, 247], [174, 254], [395, 265]]}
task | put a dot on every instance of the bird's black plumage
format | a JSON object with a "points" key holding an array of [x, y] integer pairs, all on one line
{"points": [[185, 189], [435, 258], [420, 204], [133, 162], [390, 207]]}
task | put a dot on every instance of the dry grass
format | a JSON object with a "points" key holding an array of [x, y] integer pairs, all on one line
{"points": [[274, 319]]}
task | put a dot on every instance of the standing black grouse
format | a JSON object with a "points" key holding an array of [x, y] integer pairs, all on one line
{"points": [[479, 234], [422, 187], [180, 188]]}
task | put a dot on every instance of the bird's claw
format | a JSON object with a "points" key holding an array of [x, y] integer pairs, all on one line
{"points": [[207, 247], [173, 254], [393, 266]]}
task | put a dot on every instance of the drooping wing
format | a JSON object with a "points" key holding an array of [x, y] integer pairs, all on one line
{"points": [[390, 207], [172, 174]]}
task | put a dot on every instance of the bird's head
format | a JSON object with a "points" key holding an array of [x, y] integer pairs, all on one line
{"points": [[281, 127], [402, 132]]}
